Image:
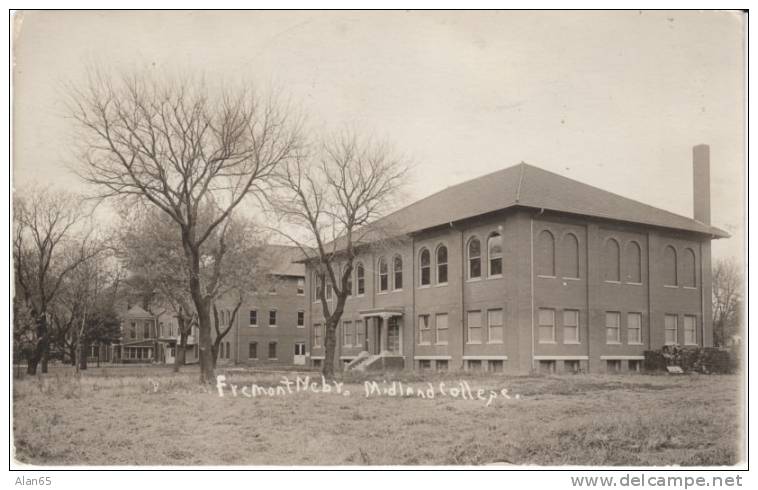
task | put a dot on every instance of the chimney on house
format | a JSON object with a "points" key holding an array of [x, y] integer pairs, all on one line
{"points": [[701, 183]]}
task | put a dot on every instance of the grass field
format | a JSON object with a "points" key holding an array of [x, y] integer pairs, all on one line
{"points": [[151, 416]]}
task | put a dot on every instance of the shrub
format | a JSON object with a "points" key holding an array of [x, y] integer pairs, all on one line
{"points": [[706, 360]]}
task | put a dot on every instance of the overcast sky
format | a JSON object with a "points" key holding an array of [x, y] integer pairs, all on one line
{"points": [[613, 99]]}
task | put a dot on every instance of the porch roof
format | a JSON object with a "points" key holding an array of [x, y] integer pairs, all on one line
{"points": [[382, 312]]}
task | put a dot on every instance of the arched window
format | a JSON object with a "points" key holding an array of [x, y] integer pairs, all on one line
{"points": [[474, 258], [612, 260], [670, 267], [360, 276], [633, 263], [384, 280], [689, 269], [495, 254], [442, 264], [425, 264], [397, 272], [545, 254], [569, 257]]}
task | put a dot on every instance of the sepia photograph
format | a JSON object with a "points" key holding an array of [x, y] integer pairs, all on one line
{"points": [[508, 239]]}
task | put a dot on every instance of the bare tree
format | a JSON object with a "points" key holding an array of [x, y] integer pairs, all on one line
{"points": [[179, 146], [49, 242], [234, 263], [331, 201], [727, 300]]}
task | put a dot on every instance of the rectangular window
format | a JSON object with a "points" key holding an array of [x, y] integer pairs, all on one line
{"points": [[300, 319], [474, 365], [425, 364], [317, 335], [272, 350], [133, 331], [495, 366], [253, 318], [635, 365], [328, 290], [272, 318], [547, 367], [441, 365], [347, 333], [146, 333], [546, 319], [360, 334], [495, 326], [570, 327], [441, 328], [612, 327], [424, 330], [317, 363], [634, 328], [613, 366], [252, 350], [474, 322], [571, 366], [690, 330], [299, 348], [300, 287], [670, 325]]}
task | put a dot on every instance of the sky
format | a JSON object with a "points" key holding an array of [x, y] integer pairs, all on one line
{"points": [[612, 99]]}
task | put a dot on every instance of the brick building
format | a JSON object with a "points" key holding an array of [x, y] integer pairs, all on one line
{"points": [[523, 270], [270, 325]]}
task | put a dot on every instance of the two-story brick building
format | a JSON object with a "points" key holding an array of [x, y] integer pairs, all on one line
{"points": [[523, 270]]}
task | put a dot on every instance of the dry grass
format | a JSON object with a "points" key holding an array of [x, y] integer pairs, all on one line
{"points": [[150, 416]]}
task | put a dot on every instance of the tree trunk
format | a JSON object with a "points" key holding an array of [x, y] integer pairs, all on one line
{"points": [[181, 351], [330, 344], [214, 350], [72, 353], [202, 307], [39, 354], [83, 349]]}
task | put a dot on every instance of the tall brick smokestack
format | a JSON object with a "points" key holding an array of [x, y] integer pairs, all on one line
{"points": [[701, 183]]}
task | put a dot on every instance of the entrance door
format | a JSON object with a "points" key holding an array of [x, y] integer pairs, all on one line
{"points": [[393, 335], [299, 359]]}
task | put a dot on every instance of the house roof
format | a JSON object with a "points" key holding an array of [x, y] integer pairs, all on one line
{"points": [[530, 186], [282, 258], [137, 312]]}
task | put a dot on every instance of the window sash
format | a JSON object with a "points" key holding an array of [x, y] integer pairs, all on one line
{"points": [[495, 325], [347, 334], [690, 330], [300, 318], [474, 323], [546, 325], [272, 318], [425, 331], [671, 329], [634, 328], [612, 328], [254, 318], [571, 326], [441, 328], [360, 333]]}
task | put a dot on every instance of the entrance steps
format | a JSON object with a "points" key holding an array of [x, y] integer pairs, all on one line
{"points": [[375, 362]]}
